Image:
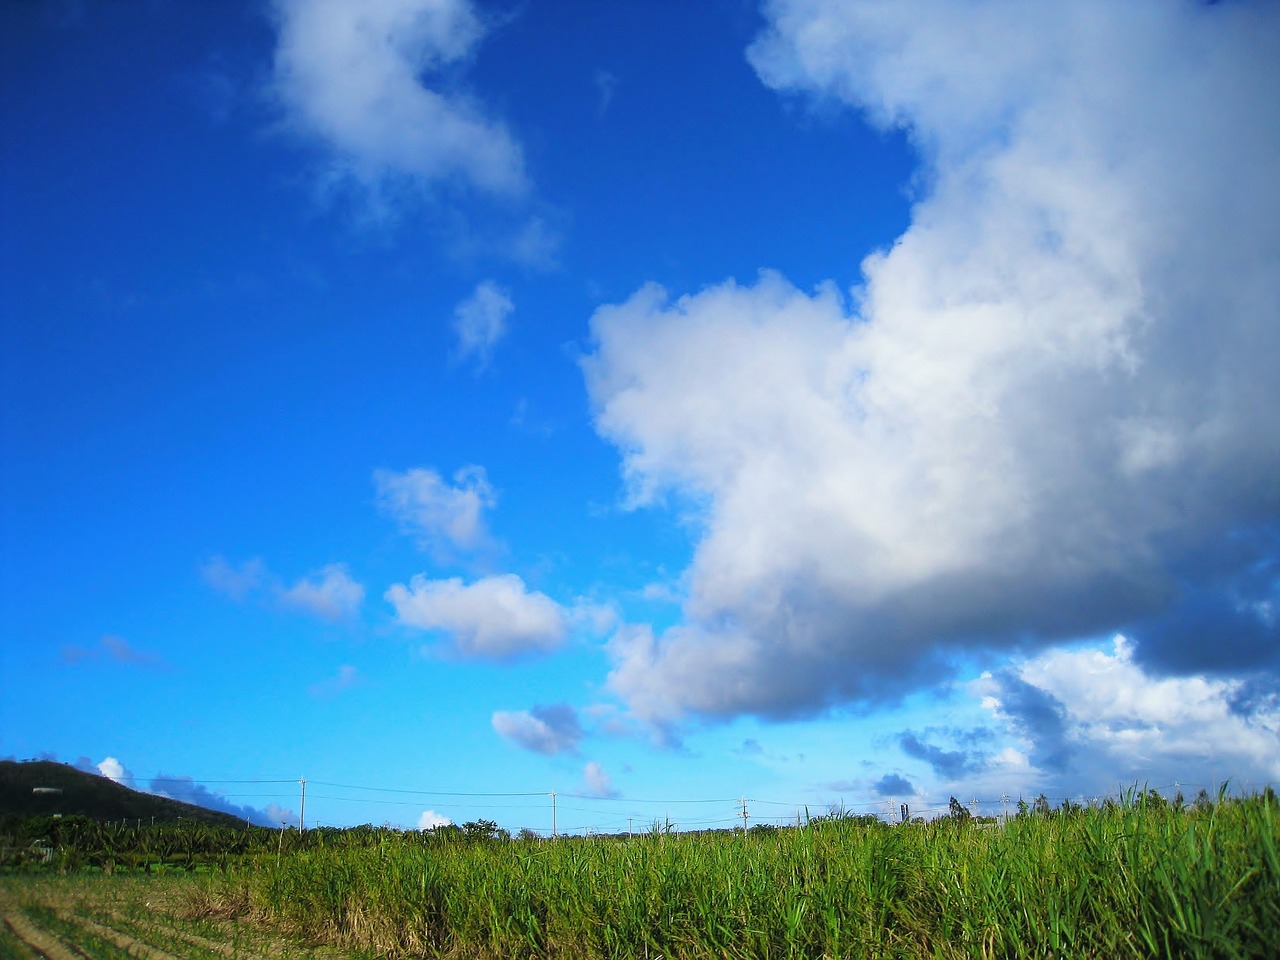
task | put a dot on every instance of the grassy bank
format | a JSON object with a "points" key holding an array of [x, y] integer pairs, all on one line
{"points": [[1137, 879]]}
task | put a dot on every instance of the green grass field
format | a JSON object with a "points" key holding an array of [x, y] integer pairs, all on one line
{"points": [[1142, 878]]}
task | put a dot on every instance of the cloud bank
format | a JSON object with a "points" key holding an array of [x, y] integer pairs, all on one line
{"points": [[368, 81], [1046, 413]]}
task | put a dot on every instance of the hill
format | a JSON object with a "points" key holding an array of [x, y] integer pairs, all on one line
{"points": [[36, 788]]}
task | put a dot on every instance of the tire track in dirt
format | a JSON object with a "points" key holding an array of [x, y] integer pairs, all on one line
{"points": [[44, 942]]}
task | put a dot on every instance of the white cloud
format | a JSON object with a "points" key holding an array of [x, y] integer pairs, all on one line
{"points": [[1095, 719], [596, 782], [329, 593], [352, 76], [113, 769], [480, 321], [443, 517], [549, 730], [1041, 416], [430, 820], [495, 617]]}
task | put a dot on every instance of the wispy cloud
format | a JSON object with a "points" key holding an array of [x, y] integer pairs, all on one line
{"points": [[236, 581], [330, 593], [113, 649], [444, 518], [346, 678], [480, 321], [364, 81]]}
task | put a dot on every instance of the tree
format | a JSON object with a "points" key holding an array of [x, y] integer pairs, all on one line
{"points": [[958, 812]]}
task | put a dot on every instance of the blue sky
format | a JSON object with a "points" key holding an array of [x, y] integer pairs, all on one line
{"points": [[657, 404]]}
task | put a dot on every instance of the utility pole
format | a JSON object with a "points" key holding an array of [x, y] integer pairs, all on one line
{"points": [[629, 819], [302, 810], [744, 814], [553, 814]]}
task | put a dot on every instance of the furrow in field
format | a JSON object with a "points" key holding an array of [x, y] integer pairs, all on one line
{"points": [[130, 945], [192, 940], [42, 942]]}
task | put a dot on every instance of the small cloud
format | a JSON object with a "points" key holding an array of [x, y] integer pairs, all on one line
{"points": [[443, 517], [237, 582], [893, 785], [494, 617], [948, 764], [480, 322], [346, 678], [549, 730], [113, 769], [596, 782], [752, 748], [329, 593], [430, 820], [353, 78]]}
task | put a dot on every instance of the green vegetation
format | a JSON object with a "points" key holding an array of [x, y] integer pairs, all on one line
{"points": [[1140, 878]]}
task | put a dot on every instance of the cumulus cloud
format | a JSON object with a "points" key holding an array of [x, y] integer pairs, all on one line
{"points": [[1094, 718], [430, 820], [550, 730], [494, 617], [329, 593], [113, 769], [367, 81], [1044, 414], [444, 518], [480, 321]]}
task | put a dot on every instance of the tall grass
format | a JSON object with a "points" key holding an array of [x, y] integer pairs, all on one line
{"points": [[1134, 879]]}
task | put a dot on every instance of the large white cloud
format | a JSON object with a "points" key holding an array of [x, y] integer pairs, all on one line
{"points": [[494, 617], [1047, 411], [353, 75]]}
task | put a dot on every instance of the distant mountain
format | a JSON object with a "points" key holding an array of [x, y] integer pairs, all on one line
{"points": [[40, 787]]}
